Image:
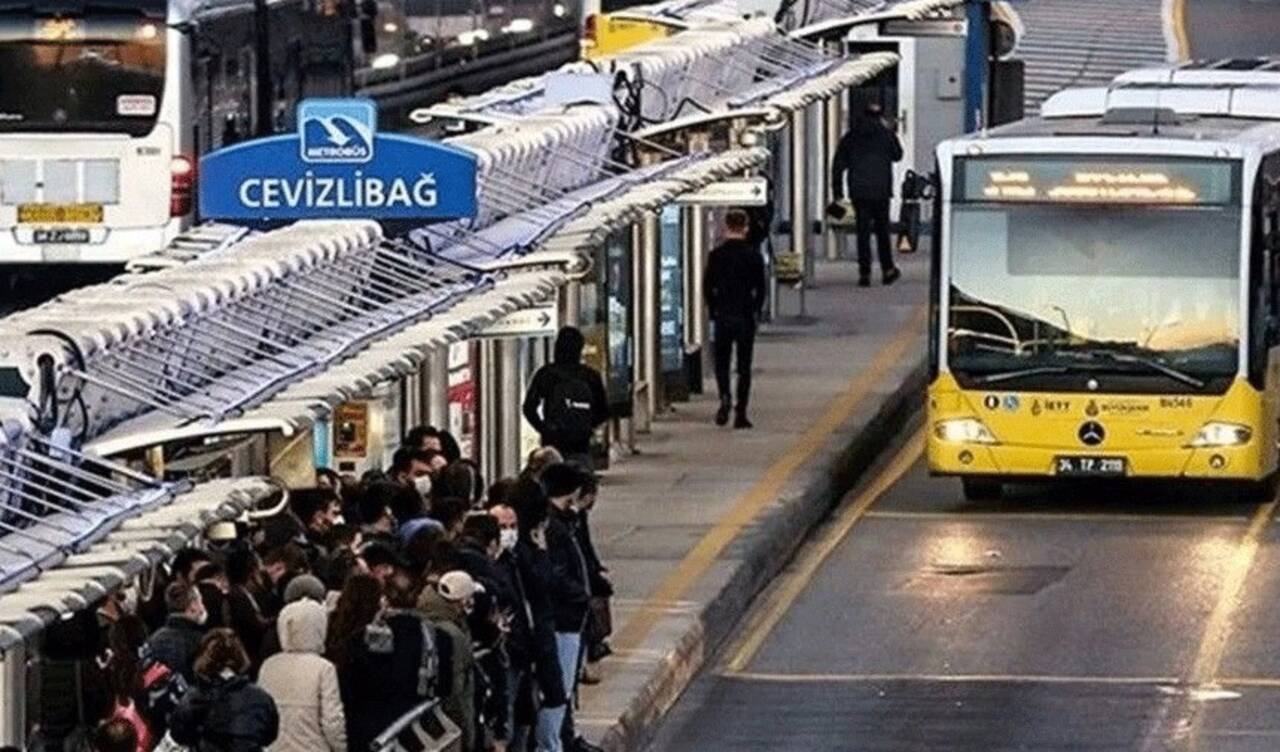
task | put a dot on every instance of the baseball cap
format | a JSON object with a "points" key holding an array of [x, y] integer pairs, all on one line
{"points": [[458, 586]]}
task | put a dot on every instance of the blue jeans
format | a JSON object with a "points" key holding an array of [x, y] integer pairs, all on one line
{"points": [[551, 720]]}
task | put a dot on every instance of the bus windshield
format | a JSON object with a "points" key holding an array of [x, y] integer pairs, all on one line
{"points": [[101, 72], [1042, 286]]}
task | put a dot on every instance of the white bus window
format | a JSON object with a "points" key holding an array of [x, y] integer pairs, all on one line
{"points": [[102, 71]]}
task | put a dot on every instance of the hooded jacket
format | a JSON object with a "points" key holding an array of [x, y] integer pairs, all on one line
{"points": [[862, 168], [303, 684], [567, 364]]}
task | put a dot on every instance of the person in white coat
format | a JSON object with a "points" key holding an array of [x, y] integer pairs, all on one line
{"points": [[304, 684]]}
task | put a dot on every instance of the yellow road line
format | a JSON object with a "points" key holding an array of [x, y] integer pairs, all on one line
{"points": [[1213, 642], [949, 678], [780, 599], [678, 582], [888, 514]]}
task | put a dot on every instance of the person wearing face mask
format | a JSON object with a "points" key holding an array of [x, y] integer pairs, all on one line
{"points": [[175, 644], [319, 510], [416, 468], [447, 604], [479, 549]]}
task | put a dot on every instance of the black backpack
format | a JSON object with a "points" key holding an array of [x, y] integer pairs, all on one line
{"points": [[567, 410]]}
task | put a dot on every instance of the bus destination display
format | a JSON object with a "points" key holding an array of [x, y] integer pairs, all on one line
{"points": [[1186, 182]]}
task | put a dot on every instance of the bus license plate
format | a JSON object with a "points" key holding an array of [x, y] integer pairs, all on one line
{"points": [[59, 214], [1090, 467], [61, 235]]}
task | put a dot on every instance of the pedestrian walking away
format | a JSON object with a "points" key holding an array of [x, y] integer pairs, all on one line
{"points": [[862, 170], [734, 288], [566, 401]]}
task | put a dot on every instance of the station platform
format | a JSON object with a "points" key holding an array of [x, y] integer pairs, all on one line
{"points": [[697, 523]]}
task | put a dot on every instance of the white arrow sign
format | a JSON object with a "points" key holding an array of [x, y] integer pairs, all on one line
{"points": [[542, 321], [735, 192]]}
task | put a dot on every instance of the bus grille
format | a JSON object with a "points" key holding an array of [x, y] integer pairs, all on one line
{"points": [[59, 181]]}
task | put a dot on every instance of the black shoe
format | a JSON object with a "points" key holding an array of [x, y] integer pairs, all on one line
{"points": [[892, 275], [740, 421], [722, 415], [864, 280]]}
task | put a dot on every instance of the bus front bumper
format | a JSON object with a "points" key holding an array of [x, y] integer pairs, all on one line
{"points": [[1243, 462]]}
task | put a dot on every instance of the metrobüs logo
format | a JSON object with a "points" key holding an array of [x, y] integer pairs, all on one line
{"points": [[337, 131]]}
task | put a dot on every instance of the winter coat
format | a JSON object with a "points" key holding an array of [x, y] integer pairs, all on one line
{"points": [[571, 591], [734, 282], [225, 715], [862, 169], [390, 668], [536, 577], [457, 663], [566, 365], [175, 645], [303, 684]]}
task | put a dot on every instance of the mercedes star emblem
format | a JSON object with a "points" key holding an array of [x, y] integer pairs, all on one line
{"points": [[1091, 433]]}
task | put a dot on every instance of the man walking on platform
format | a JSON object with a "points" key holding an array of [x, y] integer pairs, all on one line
{"points": [[734, 288], [863, 170]]}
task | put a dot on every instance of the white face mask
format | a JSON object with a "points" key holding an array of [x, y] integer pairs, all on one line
{"points": [[507, 538], [339, 520], [423, 485], [202, 617]]}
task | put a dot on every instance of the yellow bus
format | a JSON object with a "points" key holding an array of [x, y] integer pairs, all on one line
{"points": [[1106, 286]]}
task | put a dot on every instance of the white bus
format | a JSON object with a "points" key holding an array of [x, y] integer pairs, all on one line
{"points": [[105, 107]]}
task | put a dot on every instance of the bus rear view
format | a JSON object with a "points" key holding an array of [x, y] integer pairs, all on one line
{"points": [[91, 169]]}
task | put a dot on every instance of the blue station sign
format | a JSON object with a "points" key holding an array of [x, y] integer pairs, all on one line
{"points": [[337, 166]]}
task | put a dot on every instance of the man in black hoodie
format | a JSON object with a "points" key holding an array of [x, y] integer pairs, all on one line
{"points": [[734, 289], [566, 401], [863, 170]]}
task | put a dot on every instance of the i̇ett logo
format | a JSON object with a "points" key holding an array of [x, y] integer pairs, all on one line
{"points": [[337, 131]]}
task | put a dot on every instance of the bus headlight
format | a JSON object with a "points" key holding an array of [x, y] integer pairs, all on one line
{"points": [[963, 430], [1218, 434]]}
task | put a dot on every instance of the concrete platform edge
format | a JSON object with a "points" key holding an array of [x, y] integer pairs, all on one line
{"points": [[836, 469]]}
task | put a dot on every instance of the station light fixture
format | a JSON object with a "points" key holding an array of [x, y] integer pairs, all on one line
{"points": [[1220, 434], [518, 26], [384, 61], [963, 430]]}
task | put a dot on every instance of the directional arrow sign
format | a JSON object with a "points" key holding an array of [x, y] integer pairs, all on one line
{"points": [[734, 192], [541, 321]]}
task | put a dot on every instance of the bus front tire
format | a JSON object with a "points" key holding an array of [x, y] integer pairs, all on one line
{"points": [[982, 489]]}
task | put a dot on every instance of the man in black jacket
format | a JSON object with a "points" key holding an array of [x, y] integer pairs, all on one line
{"points": [[863, 170], [566, 401], [734, 289], [176, 643], [535, 577]]}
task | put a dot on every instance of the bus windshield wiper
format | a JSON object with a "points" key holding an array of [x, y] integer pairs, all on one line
{"points": [[1020, 373], [1150, 363]]}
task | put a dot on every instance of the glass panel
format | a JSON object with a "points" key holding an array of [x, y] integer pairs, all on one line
{"points": [[61, 182], [17, 181], [1061, 285], [102, 181], [97, 72]]}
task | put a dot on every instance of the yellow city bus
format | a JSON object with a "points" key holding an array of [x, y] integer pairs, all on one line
{"points": [[1106, 286]]}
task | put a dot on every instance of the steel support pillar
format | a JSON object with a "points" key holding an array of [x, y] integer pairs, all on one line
{"points": [[570, 303], [13, 710], [651, 305], [436, 385], [509, 407], [833, 119], [799, 198]]}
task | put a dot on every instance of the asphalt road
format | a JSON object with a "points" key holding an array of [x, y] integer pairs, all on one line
{"points": [[1087, 618], [1233, 28]]}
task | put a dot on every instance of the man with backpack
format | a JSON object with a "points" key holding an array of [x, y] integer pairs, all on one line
{"points": [[566, 401]]}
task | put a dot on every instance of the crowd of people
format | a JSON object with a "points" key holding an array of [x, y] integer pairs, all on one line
{"points": [[366, 599]]}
